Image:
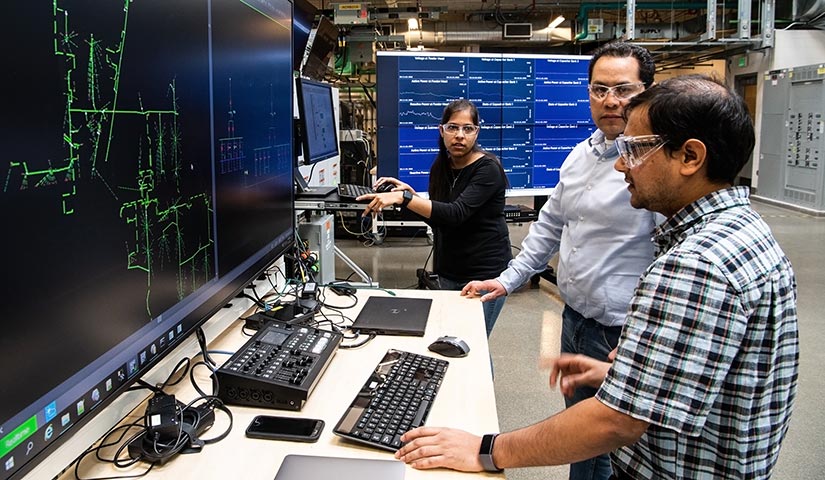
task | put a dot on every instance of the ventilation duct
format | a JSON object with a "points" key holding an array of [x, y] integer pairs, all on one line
{"points": [[439, 34], [808, 13]]}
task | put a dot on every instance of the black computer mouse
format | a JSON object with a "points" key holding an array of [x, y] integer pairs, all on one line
{"points": [[450, 347], [384, 187]]}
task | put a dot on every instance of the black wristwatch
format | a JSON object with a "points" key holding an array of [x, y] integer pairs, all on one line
{"points": [[407, 197], [485, 453]]}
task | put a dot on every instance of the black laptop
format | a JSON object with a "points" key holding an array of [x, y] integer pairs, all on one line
{"points": [[393, 316]]}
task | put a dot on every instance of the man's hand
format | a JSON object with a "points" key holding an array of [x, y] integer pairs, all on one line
{"points": [[493, 288], [573, 371], [428, 447]]}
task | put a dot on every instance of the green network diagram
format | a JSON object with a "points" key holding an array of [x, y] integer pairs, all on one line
{"points": [[160, 240]]}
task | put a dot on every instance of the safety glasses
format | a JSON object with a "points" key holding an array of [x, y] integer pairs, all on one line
{"points": [[635, 150], [454, 128], [622, 92]]}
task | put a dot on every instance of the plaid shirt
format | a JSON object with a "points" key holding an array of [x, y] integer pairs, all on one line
{"points": [[709, 354]]}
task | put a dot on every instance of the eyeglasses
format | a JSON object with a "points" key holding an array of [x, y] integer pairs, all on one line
{"points": [[454, 128], [621, 92], [635, 150]]}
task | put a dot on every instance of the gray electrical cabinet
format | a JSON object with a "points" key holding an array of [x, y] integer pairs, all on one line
{"points": [[792, 140]]}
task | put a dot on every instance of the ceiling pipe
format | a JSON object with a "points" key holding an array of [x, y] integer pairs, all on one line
{"points": [[585, 8], [446, 34]]}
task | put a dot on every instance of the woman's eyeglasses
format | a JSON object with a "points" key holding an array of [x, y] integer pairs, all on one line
{"points": [[454, 128], [635, 150], [622, 92]]}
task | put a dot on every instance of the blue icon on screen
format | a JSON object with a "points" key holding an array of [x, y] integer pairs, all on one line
{"points": [[50, 411]]}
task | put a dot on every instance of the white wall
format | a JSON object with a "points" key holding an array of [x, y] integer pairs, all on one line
{"points": [[796, 48], [792, 48]]}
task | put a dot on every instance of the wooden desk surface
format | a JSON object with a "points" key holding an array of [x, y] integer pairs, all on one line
{"points": [[466, 399]]}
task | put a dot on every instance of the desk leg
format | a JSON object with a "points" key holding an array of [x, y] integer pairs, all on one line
{"points": [[355, 268]]}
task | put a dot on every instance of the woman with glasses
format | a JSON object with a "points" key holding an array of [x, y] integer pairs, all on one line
{"points": [[465, 207]]}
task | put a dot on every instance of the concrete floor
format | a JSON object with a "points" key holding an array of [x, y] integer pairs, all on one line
{"points": [[528, 330]]}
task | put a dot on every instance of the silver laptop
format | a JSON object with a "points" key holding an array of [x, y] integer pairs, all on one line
{"points": [[309, 467]]}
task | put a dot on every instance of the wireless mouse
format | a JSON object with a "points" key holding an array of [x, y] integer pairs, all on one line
{"points": [[450, 347]]}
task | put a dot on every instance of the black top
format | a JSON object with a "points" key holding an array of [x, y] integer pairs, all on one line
{"points": [[470, 233]]}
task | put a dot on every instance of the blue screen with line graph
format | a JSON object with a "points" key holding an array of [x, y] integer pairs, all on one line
{"points": [[534, 109]]}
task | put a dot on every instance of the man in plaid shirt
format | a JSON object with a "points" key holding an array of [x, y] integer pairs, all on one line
{"points": [[704, 379]]}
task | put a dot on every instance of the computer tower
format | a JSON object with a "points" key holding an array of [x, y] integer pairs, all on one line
{"points": [[319, 234]]}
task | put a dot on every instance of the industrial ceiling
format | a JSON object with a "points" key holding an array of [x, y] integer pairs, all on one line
{"points": [[679, 34]]}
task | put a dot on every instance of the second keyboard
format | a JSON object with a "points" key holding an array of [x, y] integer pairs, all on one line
{"points": [[351, 191]]}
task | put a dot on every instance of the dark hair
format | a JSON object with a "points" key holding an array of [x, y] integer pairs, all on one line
{"points": [[439, 188], [697, 106], [622, 49]]}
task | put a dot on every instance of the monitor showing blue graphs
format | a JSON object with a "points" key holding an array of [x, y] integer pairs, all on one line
{"points": [[534, 109]]}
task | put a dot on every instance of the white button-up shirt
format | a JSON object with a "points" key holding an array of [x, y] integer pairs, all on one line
{"points": [[589, 214]]}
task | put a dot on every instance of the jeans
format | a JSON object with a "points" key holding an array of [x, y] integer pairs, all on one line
{"points": [[587, 337], [491, 309]]}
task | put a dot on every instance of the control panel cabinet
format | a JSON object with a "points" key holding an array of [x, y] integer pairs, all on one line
{"points": [[793, 137]]}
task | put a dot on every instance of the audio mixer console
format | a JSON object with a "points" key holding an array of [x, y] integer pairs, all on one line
{"points": [[278, 367]]}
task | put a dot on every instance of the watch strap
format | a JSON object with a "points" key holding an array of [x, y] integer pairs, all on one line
{"points": [[485, 453], [408, 196]]}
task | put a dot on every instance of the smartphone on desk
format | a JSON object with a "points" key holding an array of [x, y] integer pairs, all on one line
{"points": [[293, 429]]}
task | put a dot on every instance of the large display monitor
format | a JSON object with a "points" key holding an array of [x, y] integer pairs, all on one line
{"points": [[316, 117], [534, 109], [146, 179]]}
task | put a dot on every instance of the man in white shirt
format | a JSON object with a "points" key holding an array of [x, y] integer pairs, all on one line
{"points": [[602, 241]]}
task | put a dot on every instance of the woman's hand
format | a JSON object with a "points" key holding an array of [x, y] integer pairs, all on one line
{"points": [[379, 201], [397, 185]]}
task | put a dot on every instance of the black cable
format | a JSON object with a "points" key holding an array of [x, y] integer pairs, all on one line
{"points": [[428, 257], [213, 369], [140, 447], [141, 384], [216, 403], [114, 460], [258, 303], [184, 364], [336, 326], [360, 344], [201, 335]]}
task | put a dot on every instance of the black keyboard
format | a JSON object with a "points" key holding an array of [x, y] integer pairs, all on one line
{"points": [[395, 399], [352, 190]]}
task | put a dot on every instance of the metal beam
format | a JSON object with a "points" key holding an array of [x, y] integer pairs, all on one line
{"points": [[744, 16], [768, 12], [630, 27], [711, 21]]}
